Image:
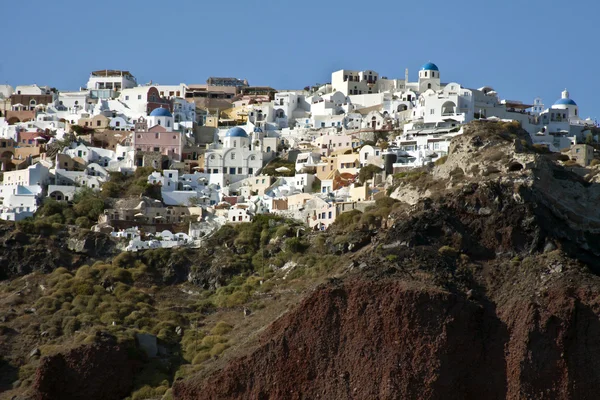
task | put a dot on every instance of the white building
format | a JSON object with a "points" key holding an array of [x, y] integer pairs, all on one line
{"points": [[239, 156], [105, 84], [355, 82], [370, 155]]}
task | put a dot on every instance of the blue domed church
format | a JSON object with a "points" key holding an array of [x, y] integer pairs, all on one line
{"points": [[237, 155]]}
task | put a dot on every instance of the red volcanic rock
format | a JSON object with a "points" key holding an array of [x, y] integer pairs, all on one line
{"points": [[99, 371], [391, 340]]}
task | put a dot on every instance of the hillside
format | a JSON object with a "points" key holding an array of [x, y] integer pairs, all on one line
{"points": [[476, 279], [486, 288]]}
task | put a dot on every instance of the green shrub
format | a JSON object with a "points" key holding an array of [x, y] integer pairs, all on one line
{"points": [[367, 172], [201, 357], [208, 342], [441, 160], [448, 251], [218, 349], [148, 392], [541, 148], [83, 222], [295, 245], [125, 259], [221, 328], [282, 231]]}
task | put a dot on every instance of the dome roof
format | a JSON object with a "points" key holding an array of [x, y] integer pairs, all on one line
{"points": [[161, 112], [567, 102], [429, 67], [236, 131]]}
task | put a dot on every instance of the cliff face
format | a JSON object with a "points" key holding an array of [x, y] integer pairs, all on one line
{"points": [[365, 340], [483, 290], [386, 339]]}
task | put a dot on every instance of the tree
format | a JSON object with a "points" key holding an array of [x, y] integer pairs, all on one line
{"points": [[367, 172], [589, 139]]}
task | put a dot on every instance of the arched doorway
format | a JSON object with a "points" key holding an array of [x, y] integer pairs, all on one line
{"points": [[58, 196], [448, 108]]}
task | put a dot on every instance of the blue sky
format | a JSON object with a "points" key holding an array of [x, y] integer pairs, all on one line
{"points": [[521, 48]]}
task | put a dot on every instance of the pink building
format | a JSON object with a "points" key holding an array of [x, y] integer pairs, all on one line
{"points": [[157, 139]]}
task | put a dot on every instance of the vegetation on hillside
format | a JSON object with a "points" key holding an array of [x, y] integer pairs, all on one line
{"points": [[149, 292]]}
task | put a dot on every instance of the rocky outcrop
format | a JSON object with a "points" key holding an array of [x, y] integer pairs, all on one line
{"points": [[100, 371], [22, 253], [92, 244]]}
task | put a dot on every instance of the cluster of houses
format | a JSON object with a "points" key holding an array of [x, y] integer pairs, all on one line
{"points": [[210, 145]]}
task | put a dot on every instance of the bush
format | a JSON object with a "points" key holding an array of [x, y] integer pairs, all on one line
{"points": [[208, 342], [295, 245], [367, 172], [448, 251], [201, 357], [83, 222], [222, 328], [541, 148], [218, 349], [441, 160], [124, 260]]}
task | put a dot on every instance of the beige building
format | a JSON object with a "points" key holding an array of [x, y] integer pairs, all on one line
{"points": [[97, 122], [348, 163], [582, 153]]}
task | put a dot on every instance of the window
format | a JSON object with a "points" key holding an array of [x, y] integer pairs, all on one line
{"points": [[126, 98], [98, 123], [432, 111], [178, 93], [156, 135], [139, 96], [174, 137], [233, 156], [156, 149], [239, 171], [118, 123], [250, 171], [232, 171]]}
